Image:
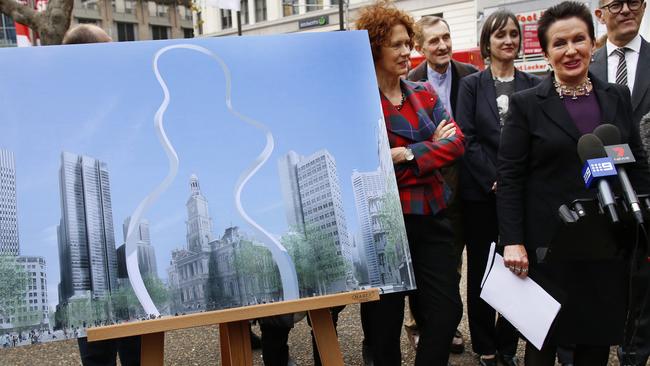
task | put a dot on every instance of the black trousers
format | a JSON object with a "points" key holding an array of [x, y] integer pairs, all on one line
{"points": [[103, 353], [275, 338], [583, 355], [480, 230], [437, 297], [639, 349]]}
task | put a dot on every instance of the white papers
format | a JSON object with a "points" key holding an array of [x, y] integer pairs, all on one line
{"points": [[523, 302]]}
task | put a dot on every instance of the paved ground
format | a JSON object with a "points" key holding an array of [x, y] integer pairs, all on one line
{"points": [[200, 346]]}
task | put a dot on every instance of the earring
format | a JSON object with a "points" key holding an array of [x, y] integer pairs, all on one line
{"points": [[592, 58]]}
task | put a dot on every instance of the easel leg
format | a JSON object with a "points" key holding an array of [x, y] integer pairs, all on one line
{"points": [[326, 339], [152, 352], [235, 340]]}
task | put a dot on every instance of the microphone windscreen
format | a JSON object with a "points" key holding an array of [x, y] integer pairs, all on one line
{"points": [[590, 147], [608, 134]]}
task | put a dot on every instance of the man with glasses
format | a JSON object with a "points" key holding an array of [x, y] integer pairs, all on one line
{"points": [[625, 60]]}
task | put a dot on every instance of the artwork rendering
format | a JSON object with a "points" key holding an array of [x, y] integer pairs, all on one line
{"points": [[161, 178]]}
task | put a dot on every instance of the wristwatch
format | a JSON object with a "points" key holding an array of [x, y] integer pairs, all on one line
{"points": [[408, 154]]}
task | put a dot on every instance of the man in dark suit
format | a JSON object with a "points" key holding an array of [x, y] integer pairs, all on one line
{"points": [[433, 41], [623, 33], [624, 60]]}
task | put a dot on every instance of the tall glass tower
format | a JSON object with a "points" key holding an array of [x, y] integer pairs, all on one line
{"points": [[8, 209], [87, 253]]}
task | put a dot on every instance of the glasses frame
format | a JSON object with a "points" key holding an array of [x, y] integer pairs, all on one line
{"points": [[608, 7]]}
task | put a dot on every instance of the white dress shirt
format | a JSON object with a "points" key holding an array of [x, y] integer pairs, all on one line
{"points": [[442, 85], [631, 59]]}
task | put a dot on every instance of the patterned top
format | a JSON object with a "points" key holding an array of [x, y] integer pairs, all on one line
{"points": [[422, 188]]}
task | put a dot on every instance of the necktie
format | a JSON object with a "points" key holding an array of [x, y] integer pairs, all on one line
{"points": [[621, 69]]}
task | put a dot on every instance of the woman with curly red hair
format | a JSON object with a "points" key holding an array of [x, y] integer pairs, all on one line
{"points": [[423, 139]]}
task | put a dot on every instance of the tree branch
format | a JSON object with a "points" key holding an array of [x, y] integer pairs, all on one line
{"points": [[20, 13]]}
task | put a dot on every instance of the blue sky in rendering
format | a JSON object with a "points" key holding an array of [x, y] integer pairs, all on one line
{"points": [[314, 91]]}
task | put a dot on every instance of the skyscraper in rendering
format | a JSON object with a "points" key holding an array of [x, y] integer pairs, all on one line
{"points": [[8, 208], [312, 199], [87, 254]]}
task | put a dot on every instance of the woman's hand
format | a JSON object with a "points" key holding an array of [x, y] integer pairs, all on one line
{"points": [[516, 259], [443, 131], [398, 154]]}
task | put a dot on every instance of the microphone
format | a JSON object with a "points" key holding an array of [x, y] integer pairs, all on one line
{"points": [[620, 154], [597, 167]]}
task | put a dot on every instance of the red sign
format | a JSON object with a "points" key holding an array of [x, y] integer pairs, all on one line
{"points": [[530, 41]]}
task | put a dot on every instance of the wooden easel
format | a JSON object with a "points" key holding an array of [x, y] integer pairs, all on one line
{"points": [[234, 331]]}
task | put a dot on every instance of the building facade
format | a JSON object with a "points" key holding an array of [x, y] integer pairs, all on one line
{"points": [[123, 20], [213, 273], [312, 192], [369, 189], [146, 251], [131, 20], [34, 311], [188, 271], [87, 255], [264, 17], [8, 205]]}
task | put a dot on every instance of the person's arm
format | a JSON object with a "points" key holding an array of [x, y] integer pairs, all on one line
{"points": [[445, 147], [512, 166], [479, 165]]}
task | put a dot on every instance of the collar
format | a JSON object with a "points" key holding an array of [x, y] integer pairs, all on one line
{"points": [[438, 77], [634, 45]]}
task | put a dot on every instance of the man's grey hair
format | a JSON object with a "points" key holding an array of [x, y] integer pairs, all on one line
{"points": [[427, 21]]}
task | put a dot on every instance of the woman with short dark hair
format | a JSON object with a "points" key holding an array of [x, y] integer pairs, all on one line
{"points": [[423, 138], [539, 169], [483, 101]]}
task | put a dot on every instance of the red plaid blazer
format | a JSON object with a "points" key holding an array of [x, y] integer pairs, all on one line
{"points": [[422, 188]]}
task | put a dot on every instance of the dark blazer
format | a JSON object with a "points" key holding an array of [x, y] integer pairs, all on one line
{"points": [[421, 186], [458, 71], [538, 170], [641, 92], [478, 117]]}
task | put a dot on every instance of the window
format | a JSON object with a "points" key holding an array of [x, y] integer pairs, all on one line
{"points": [[244, 11], [289, 7], [226, 19], [159, 32], [124, 6], [89, 4], [313, 5], [185, 12], [260, 10], [188, 33], [158, 10], [87, 21], [125, 32], [7, 31]]}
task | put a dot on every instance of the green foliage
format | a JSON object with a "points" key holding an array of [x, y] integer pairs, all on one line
{"points": [[255, 260], [317, 259], [392, 222], [13, 285]]}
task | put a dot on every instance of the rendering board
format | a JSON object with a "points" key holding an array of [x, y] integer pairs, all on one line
{"points": [[160, 178]]}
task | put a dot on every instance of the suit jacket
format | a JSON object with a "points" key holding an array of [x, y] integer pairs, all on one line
{"points": [[421, 186], [478, 116], [641, 92], [458, 71], [538, 170]]}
